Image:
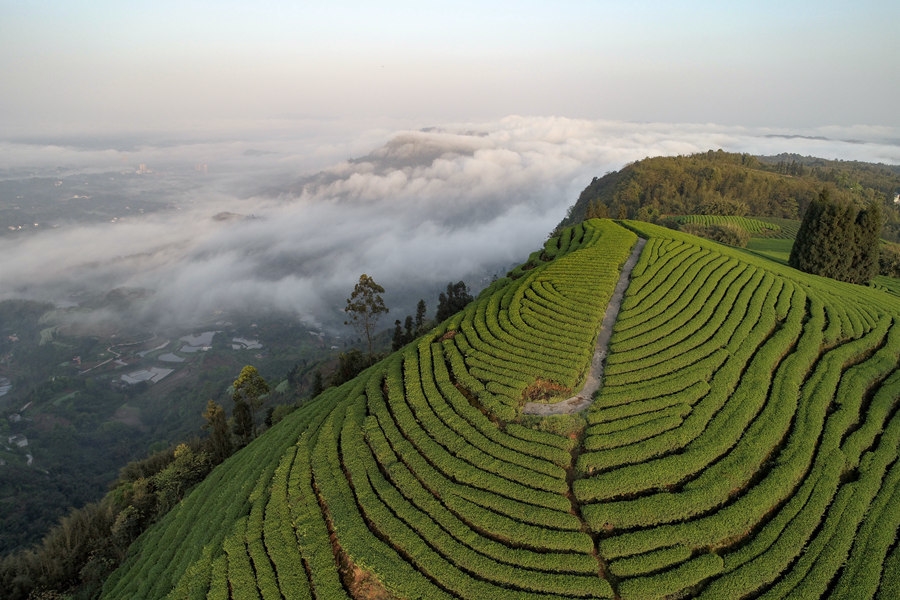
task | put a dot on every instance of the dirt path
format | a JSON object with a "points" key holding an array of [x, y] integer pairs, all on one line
{"points": [[583, 399]]}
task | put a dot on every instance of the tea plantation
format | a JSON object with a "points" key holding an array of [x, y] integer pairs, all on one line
{"points": [[744, 445]]}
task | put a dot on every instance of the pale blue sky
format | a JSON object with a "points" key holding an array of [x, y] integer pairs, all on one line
{"points": [[104, 65]]}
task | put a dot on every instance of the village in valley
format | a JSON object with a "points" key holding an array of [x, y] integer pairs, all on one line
{"points": [[126, 367]]}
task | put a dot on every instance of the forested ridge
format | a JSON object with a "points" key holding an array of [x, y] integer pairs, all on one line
{"points": [[724, 183]]}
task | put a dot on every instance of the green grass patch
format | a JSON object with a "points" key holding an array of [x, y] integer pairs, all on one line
{"points": [[777, 249], [890, 285]]}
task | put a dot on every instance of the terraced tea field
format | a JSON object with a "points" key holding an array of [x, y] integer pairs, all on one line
{"points": [[761, 227], [743, 445]]}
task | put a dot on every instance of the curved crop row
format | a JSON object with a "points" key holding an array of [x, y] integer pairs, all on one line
{"points": [[754, 226], [792, 457]]}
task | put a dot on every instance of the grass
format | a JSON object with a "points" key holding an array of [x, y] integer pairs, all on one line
{"points": [[776, 249]]}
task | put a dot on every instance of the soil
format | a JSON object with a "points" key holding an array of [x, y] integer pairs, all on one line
{"points": [[583, 398]]}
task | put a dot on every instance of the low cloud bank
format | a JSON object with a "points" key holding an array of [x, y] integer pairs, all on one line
{"points": [[415, 209]]}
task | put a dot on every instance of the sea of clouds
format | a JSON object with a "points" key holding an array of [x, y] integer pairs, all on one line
{"points": [[315, 204]]}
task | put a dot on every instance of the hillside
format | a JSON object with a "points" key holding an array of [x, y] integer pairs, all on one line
{"points": [[723, 183], [744, 442]]}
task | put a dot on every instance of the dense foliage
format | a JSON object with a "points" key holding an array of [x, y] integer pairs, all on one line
{"points": [[889, 260], [745, 444], [453, 300], [89, 542], [838, 240]]}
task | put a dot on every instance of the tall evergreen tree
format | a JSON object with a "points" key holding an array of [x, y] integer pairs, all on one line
{"points": [[868, 242], [242, 420], [398, 340], [318, 385], [420, 317], [837, 240], [410, 332]]}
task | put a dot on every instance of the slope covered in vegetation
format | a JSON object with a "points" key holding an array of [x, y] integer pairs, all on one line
{"points": [[723, 183], [744, 442]]}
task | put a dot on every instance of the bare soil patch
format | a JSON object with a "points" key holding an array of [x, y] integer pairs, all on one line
{"points": [[544, 390]]}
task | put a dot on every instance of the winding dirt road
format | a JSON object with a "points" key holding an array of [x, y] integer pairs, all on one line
{"points": [[594, 380]]}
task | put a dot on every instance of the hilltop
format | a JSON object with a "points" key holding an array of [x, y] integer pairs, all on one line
{"points": [[744, 442], [724, 183]]}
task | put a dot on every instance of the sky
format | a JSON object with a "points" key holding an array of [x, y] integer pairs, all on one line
{"points": [[419, 142], [72, 66]]}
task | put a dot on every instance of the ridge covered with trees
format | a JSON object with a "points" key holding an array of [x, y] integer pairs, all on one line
{"points": [[723, 183]]}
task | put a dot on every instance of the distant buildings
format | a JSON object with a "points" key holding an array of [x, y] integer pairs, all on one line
{"points": [[153, 375], [18, 440]]}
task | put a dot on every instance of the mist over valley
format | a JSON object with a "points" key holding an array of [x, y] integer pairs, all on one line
{"points": [[284, 225]]}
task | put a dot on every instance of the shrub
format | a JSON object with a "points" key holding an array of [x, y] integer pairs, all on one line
{"points": [[889, 260], [724, 233]]}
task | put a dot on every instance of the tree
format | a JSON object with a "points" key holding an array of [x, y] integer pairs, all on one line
{"points": [[399, 339], [171, 484], [364, 306], [838, 240], [420, 317], [867, 243], [410, 334], [350, 364], [249, 390], [889, 260], [456, 299], [242, 421], [219, 437], [318, 385], [597, 210], [410, 328]]}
